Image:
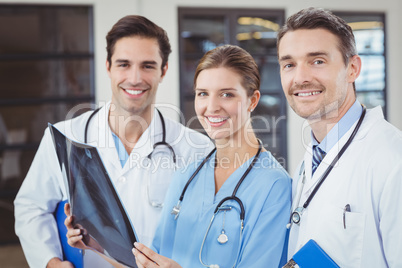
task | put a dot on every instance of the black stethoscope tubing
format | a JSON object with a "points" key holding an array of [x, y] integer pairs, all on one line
{"points": [[295, 217], [331, 166], [163, 142], [87, 124], [233, 196]]}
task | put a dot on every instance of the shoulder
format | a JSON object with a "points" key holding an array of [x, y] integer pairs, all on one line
{"points": [[189, 166], [376, 126], [189, 145], [182, 175], [271, 178], [269, 167], [381, 138], [177, 132], [74, 128], [377, 150], [269, 183]]}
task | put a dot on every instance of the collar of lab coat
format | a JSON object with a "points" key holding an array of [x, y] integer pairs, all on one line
{"points": [[372, 116], [105, 143]]}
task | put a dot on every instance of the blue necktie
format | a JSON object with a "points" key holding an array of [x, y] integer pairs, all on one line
{"points": [[318, 155]]}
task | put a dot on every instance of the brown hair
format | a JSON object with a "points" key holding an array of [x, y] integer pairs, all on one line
{"points": [[134, 25], [236, 59], [314, 18]]}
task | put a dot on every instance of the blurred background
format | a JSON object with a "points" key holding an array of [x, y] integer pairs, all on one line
{"points": [[52, 58]]}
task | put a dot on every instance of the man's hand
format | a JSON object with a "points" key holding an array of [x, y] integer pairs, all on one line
{"points": [[77, 235], [57, 263], [74, 235]]}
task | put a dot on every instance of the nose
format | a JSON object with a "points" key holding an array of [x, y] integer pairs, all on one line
{"points": [[135, 75], [213, 104], [302, 74]]}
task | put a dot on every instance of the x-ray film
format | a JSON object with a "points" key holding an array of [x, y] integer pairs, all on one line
{"points": [[94, 201]]}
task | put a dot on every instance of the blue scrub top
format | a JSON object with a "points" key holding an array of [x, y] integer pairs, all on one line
{"points": [[266, 196]]}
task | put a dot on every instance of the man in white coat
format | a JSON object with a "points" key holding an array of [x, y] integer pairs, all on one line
{"points": [[125, 131], [354, 214]]}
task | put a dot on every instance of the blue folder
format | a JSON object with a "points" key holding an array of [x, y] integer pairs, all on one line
{"points": [[73, 255], [311, 255]]}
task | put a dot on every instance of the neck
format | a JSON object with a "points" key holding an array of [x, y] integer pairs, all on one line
{"points": [[234, 152], [129, 127], [322, 126], [231, 154]]}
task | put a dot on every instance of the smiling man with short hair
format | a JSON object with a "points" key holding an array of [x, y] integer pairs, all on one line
{"points": [[348, 189]]}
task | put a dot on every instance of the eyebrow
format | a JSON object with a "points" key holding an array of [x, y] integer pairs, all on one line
{"points": [[151, 62], [318, 53], [309, 55], [283, 58], [228, 89], [121, 61], [148, 62], [220, 90]]}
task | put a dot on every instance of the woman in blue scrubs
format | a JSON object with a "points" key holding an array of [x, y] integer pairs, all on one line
{"points": [[226, 88]]}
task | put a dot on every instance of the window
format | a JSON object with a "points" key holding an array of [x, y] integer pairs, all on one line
{"points": [[46, 68], [201, 30], [369, 31]]}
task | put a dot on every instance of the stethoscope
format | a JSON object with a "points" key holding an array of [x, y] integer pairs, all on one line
{"points": [[296, 215], [222, 239], [161, 143]]}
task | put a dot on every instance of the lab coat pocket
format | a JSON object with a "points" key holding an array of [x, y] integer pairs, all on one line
{"points": [[341, 237]]}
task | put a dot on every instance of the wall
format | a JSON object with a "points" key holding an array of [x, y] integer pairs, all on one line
{"points": [[164, 13], [106, 13]]}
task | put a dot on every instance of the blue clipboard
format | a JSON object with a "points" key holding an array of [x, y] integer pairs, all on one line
{"points": [[311, 255], [73, 255]]}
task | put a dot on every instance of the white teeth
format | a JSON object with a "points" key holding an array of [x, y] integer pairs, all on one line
{"points": [[308, 93], [216, 119], [134, 92]]}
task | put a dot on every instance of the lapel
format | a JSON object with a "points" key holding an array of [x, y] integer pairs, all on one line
{"points": [[371, 117], [100, 132]]}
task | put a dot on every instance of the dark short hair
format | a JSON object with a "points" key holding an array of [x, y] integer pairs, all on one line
{"points": [[318, 18], [236, 59], [134, 25]]}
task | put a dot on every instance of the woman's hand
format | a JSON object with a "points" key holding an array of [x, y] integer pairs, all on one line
{"points": [[146, 258]]}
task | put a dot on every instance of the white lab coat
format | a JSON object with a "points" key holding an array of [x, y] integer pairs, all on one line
{"points": [[368, 176], [43, 188]]}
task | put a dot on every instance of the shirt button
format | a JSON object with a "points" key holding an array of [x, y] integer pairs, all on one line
{"points": [[122, 179]]}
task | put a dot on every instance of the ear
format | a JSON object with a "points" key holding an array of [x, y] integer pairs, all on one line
{"points": [[254, 99], [164, 70], [354, 68], [108, 66]]}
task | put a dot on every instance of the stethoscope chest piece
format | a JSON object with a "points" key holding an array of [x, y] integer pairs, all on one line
{"points": [[296, 215], [223, 238]]}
